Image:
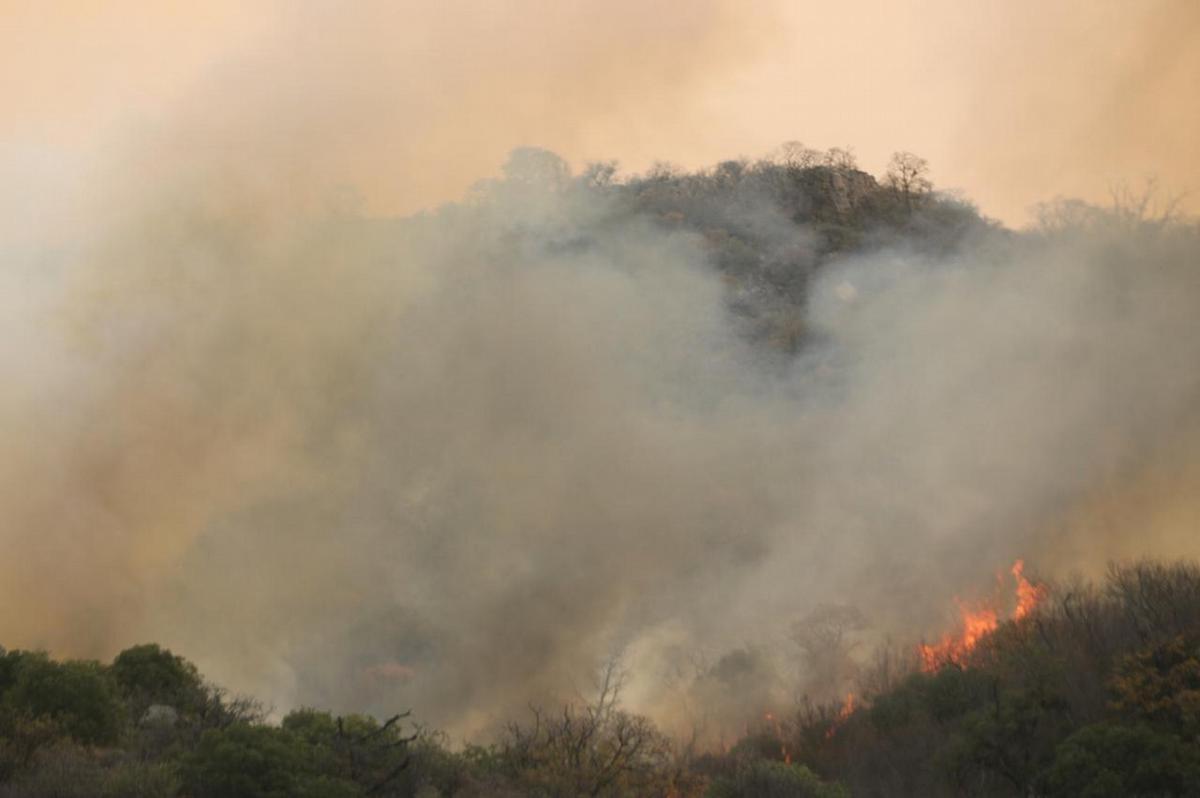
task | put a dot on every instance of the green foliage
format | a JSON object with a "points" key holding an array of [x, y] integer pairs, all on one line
{"points": [[941, 697], [769, 779], [1161, 686], [355, 748], [244, 761], [1096, 694], [1112, 761], [1013, 738], [60, 770], [9, 661], [952, 692], [79, 697], [148, 674], [67, 770], [21, 737], [143, 780], [433, 769]]}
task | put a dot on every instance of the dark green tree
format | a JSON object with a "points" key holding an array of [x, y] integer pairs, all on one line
{"points": [[79, 697], [148, 674], [244, 761], [1112, 761]]}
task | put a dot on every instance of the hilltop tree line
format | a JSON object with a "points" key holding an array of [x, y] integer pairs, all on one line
{"points": [[769, 225]]}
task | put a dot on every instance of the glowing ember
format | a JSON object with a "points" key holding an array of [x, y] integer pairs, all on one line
{"points": [[843, 714], [847, 707], [978, 623], [778, 728]]}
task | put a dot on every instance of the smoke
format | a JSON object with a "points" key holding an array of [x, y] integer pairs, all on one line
{"points": [[411, 101], [1067, 99], [455, 460]]}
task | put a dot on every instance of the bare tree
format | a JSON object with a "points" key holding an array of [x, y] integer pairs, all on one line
{"points": [[825, 638], [795, 155], [1144, 207], [840, 159], [599, 174], [591, 749], [908, 176]]}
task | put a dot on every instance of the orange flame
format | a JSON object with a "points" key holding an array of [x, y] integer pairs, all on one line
{"points": [[843, 714], [778, 728], [847, 707], [1029, 595], [977, 624], [955, 647]]}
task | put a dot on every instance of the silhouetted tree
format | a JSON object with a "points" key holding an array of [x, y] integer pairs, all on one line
{"points": [[908, 176]]}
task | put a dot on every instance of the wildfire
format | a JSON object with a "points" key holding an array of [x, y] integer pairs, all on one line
{"points": [[843, 714], [770, 718], [978, 623], [1029, 595], [847, 707]]}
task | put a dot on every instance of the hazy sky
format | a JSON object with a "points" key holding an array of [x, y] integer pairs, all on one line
{"points": [[1012, 102]]}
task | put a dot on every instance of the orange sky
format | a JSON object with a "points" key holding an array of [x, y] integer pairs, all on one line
{"points": [[1012, 102]]}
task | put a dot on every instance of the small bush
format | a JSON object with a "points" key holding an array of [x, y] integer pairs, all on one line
{"points": [[769, 779]]}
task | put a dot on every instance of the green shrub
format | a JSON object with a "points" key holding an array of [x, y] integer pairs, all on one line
{"points": [[78, 696], [1111, 761], [148, 674], [1160, 686], [245, 761], [143, 780], [770, 779]]}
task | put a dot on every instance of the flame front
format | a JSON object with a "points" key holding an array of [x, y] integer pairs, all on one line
{"points": [[843, 714], [979, 623], [955, 647], [1029, 595]]}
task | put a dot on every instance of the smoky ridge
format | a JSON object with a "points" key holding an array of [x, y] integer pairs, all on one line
{"points": [[459, 460]]}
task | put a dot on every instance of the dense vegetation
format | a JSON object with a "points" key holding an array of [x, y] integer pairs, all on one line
{"points": [[769, 225], [1096, 693]]}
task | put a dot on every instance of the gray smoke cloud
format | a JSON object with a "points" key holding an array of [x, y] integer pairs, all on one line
{"points": [[457, 460]]}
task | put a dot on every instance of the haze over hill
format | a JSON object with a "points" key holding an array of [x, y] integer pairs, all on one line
{"points": [[457, 460]]}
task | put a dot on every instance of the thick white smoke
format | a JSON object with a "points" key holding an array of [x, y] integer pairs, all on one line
{"points": [[455, 461]]}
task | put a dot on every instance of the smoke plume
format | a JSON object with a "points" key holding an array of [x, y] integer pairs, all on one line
{"points": [[456, 460]]}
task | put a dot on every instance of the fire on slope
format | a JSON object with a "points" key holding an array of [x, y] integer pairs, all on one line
{"points": [[1029, 595], [979, 622], [848, 708]]}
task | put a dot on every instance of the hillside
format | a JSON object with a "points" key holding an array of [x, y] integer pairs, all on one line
{"points": [[789, 306], [1092, 692]]}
